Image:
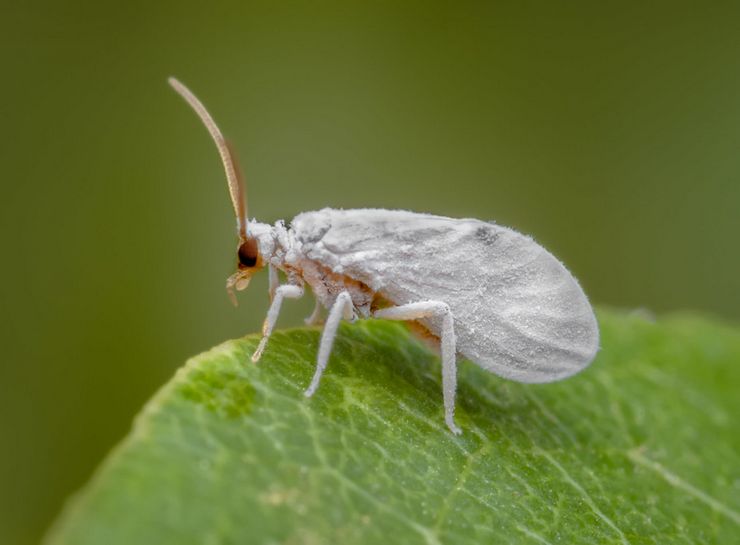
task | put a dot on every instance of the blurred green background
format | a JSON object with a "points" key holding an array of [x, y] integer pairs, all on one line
{"points": [[608, 131]]}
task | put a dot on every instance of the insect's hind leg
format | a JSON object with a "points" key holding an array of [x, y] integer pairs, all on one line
{"points": [[289, 291], [342, 308], [429, 309]]}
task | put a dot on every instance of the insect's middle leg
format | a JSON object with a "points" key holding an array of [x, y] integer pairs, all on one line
{"points": [[342, 308], [315, 317], [289, 291], [429, 309]]}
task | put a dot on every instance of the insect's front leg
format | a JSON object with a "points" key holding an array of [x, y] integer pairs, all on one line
{"points": [[289, 291], [274, 281], [430, 309], [342, 308]]}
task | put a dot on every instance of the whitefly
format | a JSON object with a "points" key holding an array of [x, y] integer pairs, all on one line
{"points": [[480, 290]]}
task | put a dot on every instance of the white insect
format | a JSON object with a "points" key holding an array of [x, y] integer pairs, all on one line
{"points": [[483, 291]]}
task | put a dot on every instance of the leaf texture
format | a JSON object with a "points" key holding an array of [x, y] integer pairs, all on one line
{"points": [[641, 447]]}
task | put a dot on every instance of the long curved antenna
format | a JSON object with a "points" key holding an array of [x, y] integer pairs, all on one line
{"points": [[228, 158]]}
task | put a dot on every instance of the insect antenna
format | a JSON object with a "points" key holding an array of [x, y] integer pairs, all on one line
{"points": [[228, 157]]}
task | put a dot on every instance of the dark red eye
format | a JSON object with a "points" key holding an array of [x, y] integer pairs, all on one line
{"points": [[248, 253]]}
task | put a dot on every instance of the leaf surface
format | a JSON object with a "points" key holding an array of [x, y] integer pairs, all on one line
{"points": [[642, 447]]}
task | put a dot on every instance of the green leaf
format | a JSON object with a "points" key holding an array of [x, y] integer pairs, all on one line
{"points": [[642, 447]]}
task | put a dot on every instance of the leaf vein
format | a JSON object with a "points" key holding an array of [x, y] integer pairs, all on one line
{"points": [[585, 495], [671, 478]]}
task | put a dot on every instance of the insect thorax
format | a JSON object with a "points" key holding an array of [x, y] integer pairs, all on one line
{"points": [[281, 248]]}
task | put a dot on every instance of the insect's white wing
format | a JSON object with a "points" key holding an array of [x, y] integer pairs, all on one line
{"points": [[518, 312]]}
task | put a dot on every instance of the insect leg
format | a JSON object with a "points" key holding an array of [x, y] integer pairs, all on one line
{"points": [[290, 291], [274, 280], [429, 309], [315, 317], [342, 308]]}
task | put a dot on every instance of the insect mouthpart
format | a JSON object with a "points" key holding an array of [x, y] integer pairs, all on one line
{"points": [[237, 282], [248, 262]]}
